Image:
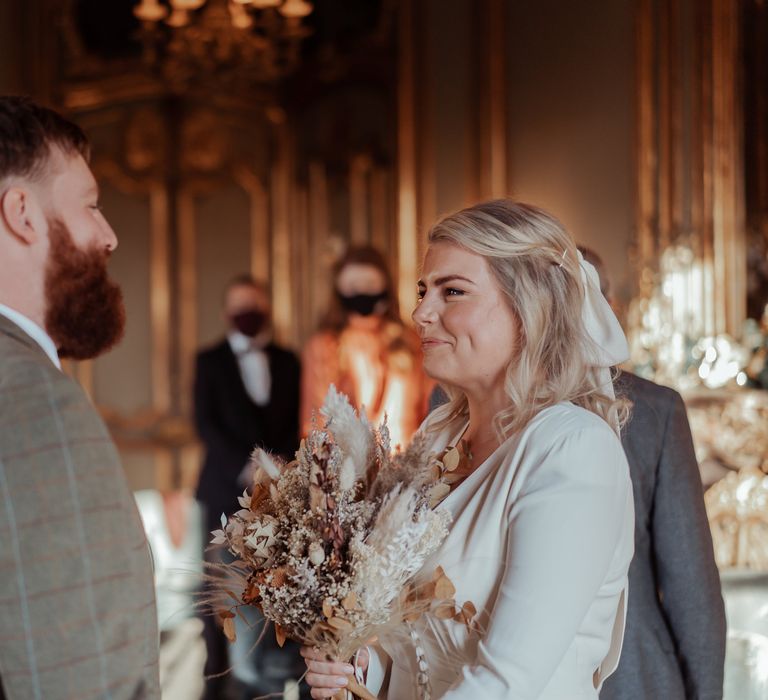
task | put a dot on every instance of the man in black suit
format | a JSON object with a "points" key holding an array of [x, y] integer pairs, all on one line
{"points": [[246, 395]]}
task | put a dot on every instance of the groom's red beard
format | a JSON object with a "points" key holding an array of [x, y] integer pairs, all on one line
{"points": [[85, 315]]}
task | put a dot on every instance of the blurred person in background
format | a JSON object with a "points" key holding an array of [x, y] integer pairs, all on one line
{"points": [[363, 347], [77, 618], [674, 643], [246, 395]]}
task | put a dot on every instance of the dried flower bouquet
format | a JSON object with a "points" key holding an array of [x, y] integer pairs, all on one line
{"points": [[327, 545]]}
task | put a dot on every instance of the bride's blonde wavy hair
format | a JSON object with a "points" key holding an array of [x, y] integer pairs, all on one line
{"points": [[535, 262]]}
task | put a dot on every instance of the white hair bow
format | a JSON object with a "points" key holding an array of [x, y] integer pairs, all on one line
{"points": [[609, 344]]}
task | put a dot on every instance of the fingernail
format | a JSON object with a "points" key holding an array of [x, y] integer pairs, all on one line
{"points": [[349, 669], [341, 681]]}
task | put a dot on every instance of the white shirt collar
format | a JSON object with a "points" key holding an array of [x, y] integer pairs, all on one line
{"points": [[33, 331], [241, 343]]}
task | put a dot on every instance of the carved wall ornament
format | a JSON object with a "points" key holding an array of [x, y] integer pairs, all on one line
{"points": [[205, 145], [737, 507], [145, 141]]}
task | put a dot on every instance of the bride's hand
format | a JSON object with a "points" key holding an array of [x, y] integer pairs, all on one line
{"points": [[325, 677]]}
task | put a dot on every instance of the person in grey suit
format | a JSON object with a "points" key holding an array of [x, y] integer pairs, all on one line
{"points": [[674, 642], [77, 600]]}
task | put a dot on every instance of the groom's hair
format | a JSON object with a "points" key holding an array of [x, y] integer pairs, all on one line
{"points": [[28, 132]]}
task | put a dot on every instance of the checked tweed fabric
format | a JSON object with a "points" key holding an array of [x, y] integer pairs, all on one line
{"points": [[77, 603]]}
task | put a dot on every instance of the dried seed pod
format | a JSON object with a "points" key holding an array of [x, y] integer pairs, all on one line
{"points": [[316, 553]]}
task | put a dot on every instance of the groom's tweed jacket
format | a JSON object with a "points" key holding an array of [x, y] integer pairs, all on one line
{"points": [[77, 606]]}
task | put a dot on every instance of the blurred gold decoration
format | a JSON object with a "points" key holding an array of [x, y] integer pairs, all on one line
{"points": [[737, 507], [668, 317], [670, 329], [204, 143], [229, 41], [148, 428], [145, 146], [731, 427]]}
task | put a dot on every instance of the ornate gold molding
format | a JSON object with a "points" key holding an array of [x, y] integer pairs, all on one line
{"points": [[259, 205], [281, 279], [493, 120], [160, 299], [688, 149], [407, 216], [187, 295], [728, 213], [359, 170]]}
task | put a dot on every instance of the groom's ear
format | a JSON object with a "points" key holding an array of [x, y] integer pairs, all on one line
{"points": [[21, 215]]}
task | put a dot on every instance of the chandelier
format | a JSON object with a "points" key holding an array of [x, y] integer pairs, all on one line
{"points": [[222, 42]]}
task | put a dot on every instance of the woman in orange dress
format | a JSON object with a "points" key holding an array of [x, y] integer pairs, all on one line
{"points": [[363, 347]]}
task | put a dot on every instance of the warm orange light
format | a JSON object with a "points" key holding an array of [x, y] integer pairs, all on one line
{"points": [[240, 17], [150, 11], [296, 8], [187, 4], [178, 18]]}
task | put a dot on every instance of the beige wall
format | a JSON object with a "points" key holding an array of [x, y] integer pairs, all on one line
{"points": [[570, 115], [568, 100]]}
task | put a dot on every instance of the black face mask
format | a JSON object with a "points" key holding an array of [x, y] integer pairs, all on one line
{"points": [[362, 304], [249, 323]]}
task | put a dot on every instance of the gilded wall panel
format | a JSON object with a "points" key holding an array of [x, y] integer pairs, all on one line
{"points": [[222, 220], [123, 377]]}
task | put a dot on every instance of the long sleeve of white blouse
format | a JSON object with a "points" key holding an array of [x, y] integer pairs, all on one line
{"points": [[564, 530]]}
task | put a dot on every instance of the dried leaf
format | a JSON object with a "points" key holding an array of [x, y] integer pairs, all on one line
{"points": [[316, 498], [451, 459], [327, 608], [251, 595], [437, 493], [444, 589], [445, 611], [412, 616], [319, 627], [421, 593], [229, 629], [280, 575], [339, 623], [260, 493], [350, 601], [280, 635], [469, 609]]}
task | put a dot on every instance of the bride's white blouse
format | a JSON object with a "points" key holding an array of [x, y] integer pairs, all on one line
{"points": [[541, 541]]}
